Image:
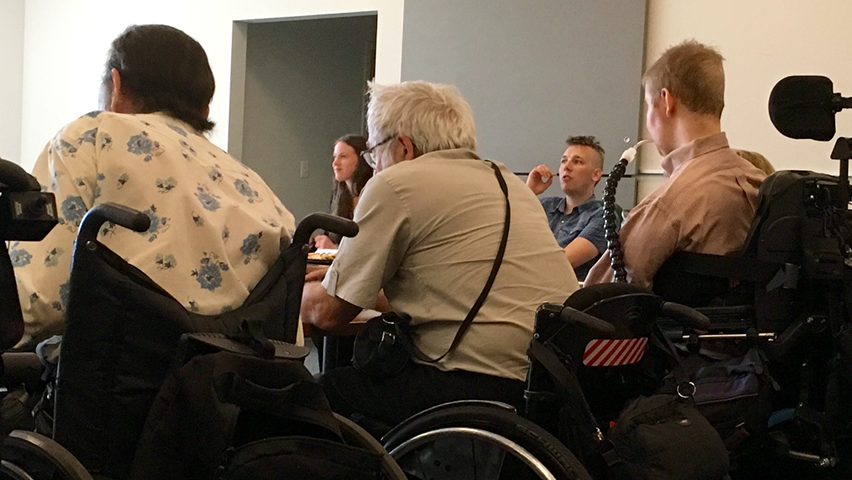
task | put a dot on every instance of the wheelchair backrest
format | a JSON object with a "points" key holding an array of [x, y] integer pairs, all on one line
{"points": [[789, 216], [121, 338], [796, 239]]}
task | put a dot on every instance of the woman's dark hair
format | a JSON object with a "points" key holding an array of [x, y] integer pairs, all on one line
{"points": [[163, 70], [341, 199]]}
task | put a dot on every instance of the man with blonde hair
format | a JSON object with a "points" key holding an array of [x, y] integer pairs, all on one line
{"points": [[707, 203], [431, 222]]}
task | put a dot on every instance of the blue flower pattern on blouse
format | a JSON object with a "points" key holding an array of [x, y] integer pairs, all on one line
{"points": [[208, 200], [73, 209], [251, 247], [52, 257], [158, 224], [65, 148], [108, 229], [165, 185], [124, 178], [187, 147], [245, 190], [177, 129], [133, 160], [165, 262], [20, 258], [215, 175], [141, 144], [209, 273], [64, 290], [198, 220], [89, 136]]}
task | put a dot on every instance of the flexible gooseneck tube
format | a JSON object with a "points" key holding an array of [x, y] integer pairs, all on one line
{"points": [[616, 254]]}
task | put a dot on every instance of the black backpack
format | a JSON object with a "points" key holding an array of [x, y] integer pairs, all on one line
{"points": [[235, 415]]}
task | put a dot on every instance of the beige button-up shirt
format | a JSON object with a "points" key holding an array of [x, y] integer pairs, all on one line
{"points": [[706, 206], [429, 231]]}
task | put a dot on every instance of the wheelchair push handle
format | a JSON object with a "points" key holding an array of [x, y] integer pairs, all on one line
{"points": [[598, 327], [686, 316], [323, 221], [115, 213]]}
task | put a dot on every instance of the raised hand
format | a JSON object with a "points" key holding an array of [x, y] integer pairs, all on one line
{"points": [[540, 178]]}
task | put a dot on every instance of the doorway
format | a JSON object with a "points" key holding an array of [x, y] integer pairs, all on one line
{"points": [[296, 86]]}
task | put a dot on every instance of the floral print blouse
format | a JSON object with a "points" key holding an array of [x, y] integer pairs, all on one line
{"points": [[215, 225]]}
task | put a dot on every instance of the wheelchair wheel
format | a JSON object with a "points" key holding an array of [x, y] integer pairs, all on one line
{"points": [[356, 435], [30, 456], [479, 442]]}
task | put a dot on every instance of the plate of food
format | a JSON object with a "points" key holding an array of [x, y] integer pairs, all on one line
{"points": [[323, 256]]}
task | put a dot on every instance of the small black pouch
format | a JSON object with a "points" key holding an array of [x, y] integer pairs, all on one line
{"points": [[380, 347], [664, 437]]}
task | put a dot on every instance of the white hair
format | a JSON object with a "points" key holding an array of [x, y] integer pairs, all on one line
{"points": [[433, 115]]}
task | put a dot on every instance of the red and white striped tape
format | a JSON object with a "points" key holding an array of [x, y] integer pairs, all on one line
{"points": [[614, 352]]}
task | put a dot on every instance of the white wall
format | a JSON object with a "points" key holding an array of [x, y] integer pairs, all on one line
{"points": [[11, 77], [65, 49], [762, 42]]}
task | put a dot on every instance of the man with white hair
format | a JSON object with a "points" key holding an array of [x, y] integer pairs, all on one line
{"points": [[431, 222]]}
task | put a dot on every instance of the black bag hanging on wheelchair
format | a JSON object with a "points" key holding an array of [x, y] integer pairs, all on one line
{"points": [[237, 416], [659, 437]]}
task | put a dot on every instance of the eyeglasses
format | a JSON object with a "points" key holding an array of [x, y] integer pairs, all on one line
{"points": [[368, 156]]}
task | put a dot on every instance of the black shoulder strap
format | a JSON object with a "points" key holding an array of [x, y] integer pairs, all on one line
{"points": [[498, 260]]}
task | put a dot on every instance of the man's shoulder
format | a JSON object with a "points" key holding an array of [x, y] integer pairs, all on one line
{"points": [[551, 203]]}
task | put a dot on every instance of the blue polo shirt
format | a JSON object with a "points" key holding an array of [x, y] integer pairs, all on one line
{"points": [[586, 220]]}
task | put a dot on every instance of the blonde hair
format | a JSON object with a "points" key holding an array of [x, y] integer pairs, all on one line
{"points": [[757, 160], [433, 115], [693, 72]]}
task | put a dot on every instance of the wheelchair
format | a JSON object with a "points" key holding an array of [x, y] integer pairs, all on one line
{"points": [[785, 298], [783, 305], [123, 334], [489, 440]]}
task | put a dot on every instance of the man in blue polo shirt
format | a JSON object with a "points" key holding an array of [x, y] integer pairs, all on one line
{"points": [[576, 219]]}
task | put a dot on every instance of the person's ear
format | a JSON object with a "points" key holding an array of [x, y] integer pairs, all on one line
{"points": [[596, 176], [119, 102], [207, 112], [115, 87], [669, 101], [408, 152]]}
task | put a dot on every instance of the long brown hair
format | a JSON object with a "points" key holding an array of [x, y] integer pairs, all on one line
{"points": [[342, 199]]}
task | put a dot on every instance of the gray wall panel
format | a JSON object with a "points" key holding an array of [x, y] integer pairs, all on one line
{"points": [[535, 71], [304, 87]]}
